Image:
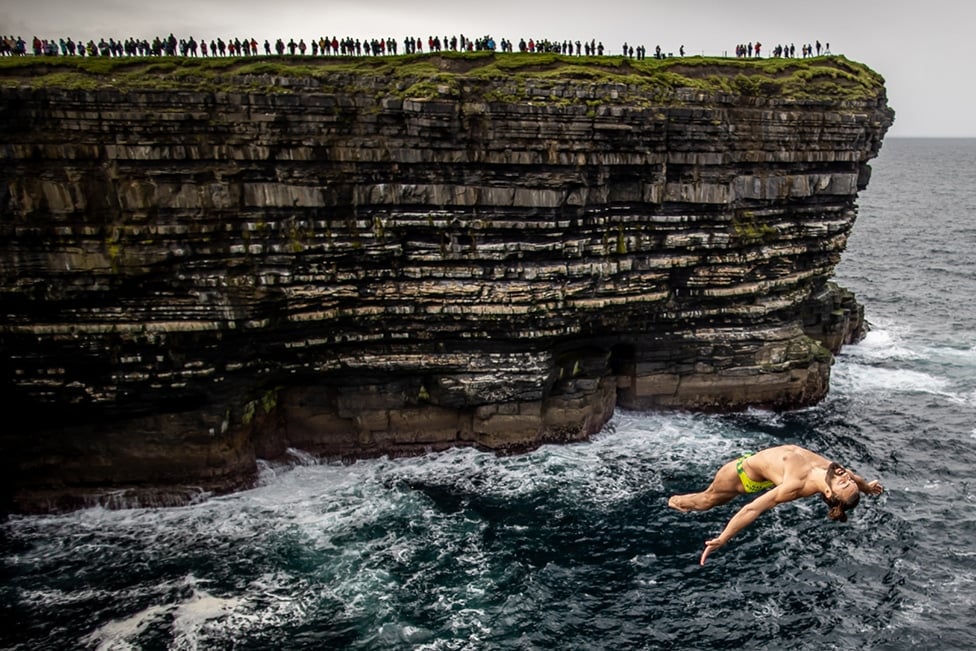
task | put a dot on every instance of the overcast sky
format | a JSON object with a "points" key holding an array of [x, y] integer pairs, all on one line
{"points": [[923, 49]]}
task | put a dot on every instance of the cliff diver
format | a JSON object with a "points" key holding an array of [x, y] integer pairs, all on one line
{"points": [[786, 473]]}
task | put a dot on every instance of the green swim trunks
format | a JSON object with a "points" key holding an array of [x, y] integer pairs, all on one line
{"points": [[750, 484]]}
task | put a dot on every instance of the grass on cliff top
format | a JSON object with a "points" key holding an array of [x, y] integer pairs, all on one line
{"points": [[445, 74]]}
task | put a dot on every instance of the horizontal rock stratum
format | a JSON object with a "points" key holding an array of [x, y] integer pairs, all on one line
{"points": [[204, 263]]}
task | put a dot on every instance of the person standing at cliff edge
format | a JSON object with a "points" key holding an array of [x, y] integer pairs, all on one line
{"points": [[791, 472]]}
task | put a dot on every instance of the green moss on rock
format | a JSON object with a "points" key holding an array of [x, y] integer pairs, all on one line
{"points": [[494, 77]]}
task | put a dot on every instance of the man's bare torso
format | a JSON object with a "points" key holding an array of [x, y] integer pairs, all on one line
{"points": [[789, 466]]}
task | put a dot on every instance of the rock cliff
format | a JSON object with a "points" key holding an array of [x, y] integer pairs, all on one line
{"points": [[201, 266]]}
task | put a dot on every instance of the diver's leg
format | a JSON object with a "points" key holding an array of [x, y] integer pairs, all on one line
{"points": [[724, 488]]}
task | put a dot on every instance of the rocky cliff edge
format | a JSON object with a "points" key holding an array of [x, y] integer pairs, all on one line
{"points": [[207, 263]]}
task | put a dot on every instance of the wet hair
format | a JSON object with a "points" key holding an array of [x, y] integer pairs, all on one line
{"points": [[839, 508]]}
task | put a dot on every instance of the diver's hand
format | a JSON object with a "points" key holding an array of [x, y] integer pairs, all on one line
{"points": [[873, 488], [710, 546]]}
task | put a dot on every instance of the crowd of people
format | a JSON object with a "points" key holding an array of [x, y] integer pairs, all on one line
{"points": [[349, 46], [806, 50], [323, 46]]}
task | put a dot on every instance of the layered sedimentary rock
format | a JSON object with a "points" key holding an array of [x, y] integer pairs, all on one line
{"points": [[196, 277]]}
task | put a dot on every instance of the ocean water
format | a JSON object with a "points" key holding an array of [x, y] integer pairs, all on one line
{"points": [[573, 547]]}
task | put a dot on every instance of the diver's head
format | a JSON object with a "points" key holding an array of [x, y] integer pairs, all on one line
{"points": [[842, 493]]}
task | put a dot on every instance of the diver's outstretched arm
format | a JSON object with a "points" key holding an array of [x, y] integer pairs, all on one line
{"points": [[747, 515]]}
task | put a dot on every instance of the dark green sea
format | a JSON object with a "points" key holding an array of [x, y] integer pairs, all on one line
{"points": [[573, 546]]}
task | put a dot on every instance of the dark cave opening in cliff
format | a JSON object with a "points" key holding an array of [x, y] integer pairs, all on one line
{"points": [[622, 358]]}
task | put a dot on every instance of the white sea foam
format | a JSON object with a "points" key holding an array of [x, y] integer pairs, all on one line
{"points": [[397, 633], [862, 378], [892, 359], [189, 617], [624, 461], [271, 601], [267, 472], [192, 617], [301, 457], [768, 418], [121, 634], [960, 361], [888, 344], [900, 346]]}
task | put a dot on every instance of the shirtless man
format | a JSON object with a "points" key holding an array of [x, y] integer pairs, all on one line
{"points": [[791, 472]]}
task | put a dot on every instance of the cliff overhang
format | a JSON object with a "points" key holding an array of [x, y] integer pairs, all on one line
{"points": [[206, 263]]}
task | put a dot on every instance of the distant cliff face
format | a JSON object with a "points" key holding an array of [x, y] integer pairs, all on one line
{"points": [[390, 260]]}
